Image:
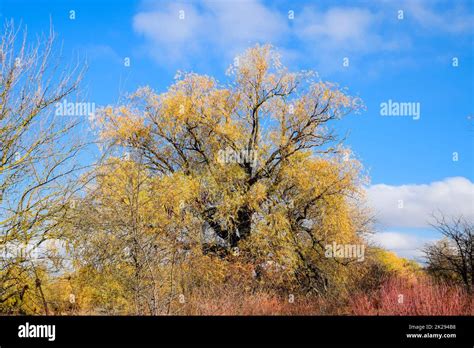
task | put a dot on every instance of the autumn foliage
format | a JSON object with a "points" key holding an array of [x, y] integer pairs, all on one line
{"points": [[209, 198]]}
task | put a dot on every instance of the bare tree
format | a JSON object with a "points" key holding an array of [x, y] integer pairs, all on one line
{"points": [[36, 148], [453, 256]]}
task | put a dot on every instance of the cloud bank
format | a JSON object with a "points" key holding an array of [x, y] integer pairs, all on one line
{"points": [[403, 244], [413, 205], [451, 196], [176, 32]]}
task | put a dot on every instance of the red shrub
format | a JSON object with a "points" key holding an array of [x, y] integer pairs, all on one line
{"points": [[401, 296]]}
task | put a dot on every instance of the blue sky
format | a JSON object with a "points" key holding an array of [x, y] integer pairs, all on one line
{"points": [[407, 59]]}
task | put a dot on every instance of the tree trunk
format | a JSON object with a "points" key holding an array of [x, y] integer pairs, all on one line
{"points": [[242, 230]]}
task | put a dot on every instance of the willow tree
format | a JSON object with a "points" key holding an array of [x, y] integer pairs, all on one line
{"points": [[274, 185]]}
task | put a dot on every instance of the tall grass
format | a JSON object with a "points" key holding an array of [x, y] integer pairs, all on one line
{"points": [[259, 303]]}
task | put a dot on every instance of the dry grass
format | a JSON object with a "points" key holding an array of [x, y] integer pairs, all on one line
{"points": [[260, 303]]}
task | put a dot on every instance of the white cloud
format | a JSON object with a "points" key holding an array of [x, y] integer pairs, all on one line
{"points": [[403, 244], [338, 32], [453, 20], [337, 26], [169, 36], [394, 240], [244, 21], [225, 27], [451, 196]]}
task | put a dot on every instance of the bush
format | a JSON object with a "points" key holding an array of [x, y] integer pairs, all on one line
{"points": [[421, 296]]}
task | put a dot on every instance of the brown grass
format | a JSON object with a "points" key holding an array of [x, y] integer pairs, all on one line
{"points": [[260, 303]]}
